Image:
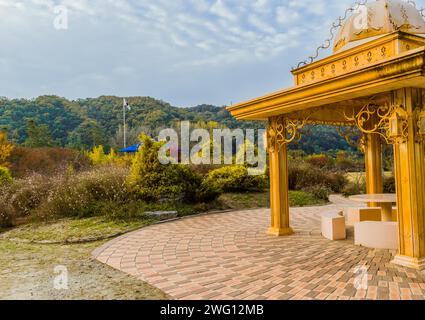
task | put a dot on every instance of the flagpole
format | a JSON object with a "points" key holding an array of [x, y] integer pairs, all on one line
{"points": [[125, 134]]}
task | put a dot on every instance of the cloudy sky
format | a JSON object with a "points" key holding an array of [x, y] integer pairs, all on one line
{"points": [[186, 52]]}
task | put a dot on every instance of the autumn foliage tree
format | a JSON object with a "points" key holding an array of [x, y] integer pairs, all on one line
{"points": [[5, 149]]}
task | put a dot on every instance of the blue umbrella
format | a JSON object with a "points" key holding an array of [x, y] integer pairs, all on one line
{"points": [[131, 149]]}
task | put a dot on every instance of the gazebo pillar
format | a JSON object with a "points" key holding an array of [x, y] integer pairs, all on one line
{"points": [[279, 182], [373, 162], [410, 180]]}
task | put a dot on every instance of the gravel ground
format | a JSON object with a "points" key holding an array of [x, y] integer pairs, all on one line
{"points": [[28, 272]]}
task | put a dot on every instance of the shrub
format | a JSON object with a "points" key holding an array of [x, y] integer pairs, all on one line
{"points": [[100, 191], [7, 218], [345, 162], [336, 181], [6, 149], [301, 199], [97, 155], [354, 188], [389, 185], [155, 181], [320, 192], [25, 195], [207, 192], [5, 176], [7, 214], [68, 194], [303, 176], [80, 194], [319, 160], [236, 178], [204, 169]]}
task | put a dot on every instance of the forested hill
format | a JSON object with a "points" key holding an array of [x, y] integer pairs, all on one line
{"points": [[84, 123]]}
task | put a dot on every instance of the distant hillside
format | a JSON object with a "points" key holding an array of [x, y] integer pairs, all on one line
{"points": [[84, 123]]}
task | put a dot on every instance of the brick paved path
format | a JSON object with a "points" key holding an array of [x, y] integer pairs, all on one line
{"points": [[229, 256]]}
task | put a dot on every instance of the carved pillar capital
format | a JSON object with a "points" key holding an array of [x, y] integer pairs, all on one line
{"points": [[282, 131]]}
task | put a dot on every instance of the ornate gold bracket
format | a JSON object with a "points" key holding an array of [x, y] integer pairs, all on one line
{"points": [[389, 121], [282, 131], [421, 126]]}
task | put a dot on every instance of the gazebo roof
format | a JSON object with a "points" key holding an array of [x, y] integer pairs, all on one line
{"points": [[379, 18], [346, 78]]}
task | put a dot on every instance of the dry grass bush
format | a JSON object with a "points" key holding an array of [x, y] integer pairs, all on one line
{"points": [[320, 160], [77, 195], [304, 176], [357, 186], [25, 195], [102, 190], [45, 161], [7, 214], [65, 195]]}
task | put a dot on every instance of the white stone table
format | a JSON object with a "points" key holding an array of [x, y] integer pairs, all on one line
{"points": [[385, 201]]}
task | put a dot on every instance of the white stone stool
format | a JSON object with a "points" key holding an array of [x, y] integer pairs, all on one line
{"points": [[355, 215], [395, 218], [333, 226], [376, 235]]}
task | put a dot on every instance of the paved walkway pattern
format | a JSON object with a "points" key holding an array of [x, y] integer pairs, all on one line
{"points": [[229, 256]]}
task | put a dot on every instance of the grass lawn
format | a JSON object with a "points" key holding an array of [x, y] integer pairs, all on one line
{"points": [[73, 229], [238, 201], [27, 270]]}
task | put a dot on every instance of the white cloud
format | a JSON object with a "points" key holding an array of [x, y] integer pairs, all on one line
{"points": [[286, 16], [261, 25], [220, 9]]}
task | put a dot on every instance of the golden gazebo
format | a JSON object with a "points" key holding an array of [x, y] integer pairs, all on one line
{"points": [[373, 80]]}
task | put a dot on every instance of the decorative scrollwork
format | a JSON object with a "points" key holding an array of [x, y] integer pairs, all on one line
{"points": [[388, 121], [362, 143], [282, 131], [337, 24], [420, 136]]}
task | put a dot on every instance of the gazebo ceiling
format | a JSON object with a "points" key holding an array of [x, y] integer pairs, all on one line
{"points": [[393, 60]]}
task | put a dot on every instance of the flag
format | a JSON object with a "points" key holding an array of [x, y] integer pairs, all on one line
{"points": [[126, 105]]}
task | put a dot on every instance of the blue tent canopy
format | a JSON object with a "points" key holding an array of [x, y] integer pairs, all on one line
{"points": [[131, 149]]}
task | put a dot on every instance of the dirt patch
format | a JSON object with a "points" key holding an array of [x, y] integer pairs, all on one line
{"points": [[28, 272]]}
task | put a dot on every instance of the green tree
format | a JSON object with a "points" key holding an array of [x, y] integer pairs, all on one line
{"points": [[38, 135], [132, 136], [88, 135], [153, 180]]}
